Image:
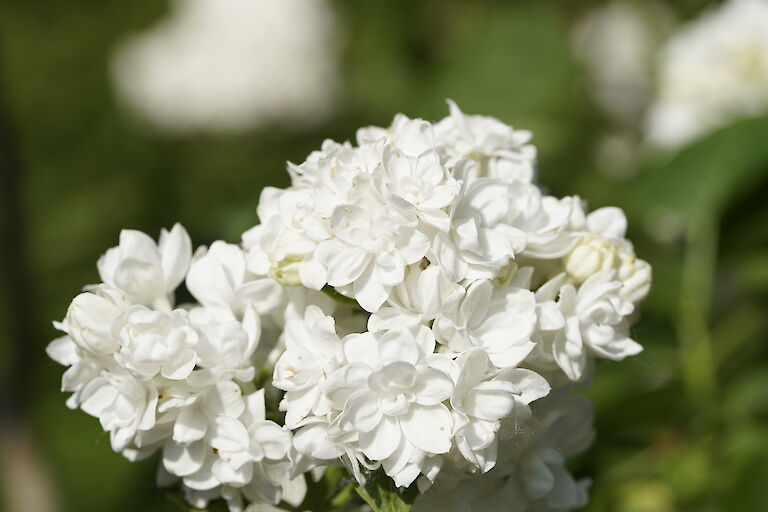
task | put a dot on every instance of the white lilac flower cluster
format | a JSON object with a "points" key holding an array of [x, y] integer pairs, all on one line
{"points": [[467, 303], [231, 65], [180, 378]]}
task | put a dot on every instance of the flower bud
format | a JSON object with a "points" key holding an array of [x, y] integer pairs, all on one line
{"points": [[286, 271], [90, 317], [591, 255]]}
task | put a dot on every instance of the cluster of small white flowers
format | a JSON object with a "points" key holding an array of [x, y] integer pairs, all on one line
{"points": [[466, 295], [180, 378], [479, 285], [713, 71], [232, 65]]}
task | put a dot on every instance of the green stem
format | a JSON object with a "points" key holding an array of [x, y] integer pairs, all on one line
{"points": [[381, 494], [343, 299], [696, 292]]}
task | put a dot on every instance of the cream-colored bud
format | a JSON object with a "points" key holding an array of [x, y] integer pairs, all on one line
{"points": [[286, 271], [591, 255]]}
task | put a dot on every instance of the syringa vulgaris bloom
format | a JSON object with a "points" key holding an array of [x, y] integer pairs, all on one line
{"points": [[412, 307]]}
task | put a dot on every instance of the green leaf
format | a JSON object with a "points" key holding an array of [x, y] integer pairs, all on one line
{"points": [[381, 494], [332, 492], [703, 178]]}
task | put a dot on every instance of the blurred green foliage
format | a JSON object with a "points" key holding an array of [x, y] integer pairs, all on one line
{"points": [[682, 427]]}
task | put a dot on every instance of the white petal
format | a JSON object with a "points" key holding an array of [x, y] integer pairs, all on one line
{"points": [[203, 479], [313, 275], [273, 440], [530, 384], [229, 435], [548, 316], [491, 400], [191, 425], [63, 351], [229, 475], [428, 428], [175, 254], [569, 355], [382, 441], [313, 440], [397, 376], [254, 405], [347, 265], [182, 369], [369, 291], [398, 344], [361, 348], [511, 356], [432, 386], [294, 491], [390, 318], [361, 411], [298, 404], [183, 459], [608, 222]]}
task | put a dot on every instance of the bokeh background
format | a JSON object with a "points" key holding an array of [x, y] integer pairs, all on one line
{"points": [[681, 427]]}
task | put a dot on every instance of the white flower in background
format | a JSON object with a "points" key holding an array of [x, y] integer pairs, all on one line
{"points": [[713, 71], [232, 65], [146, 272], [617, 42], [407, 296]]}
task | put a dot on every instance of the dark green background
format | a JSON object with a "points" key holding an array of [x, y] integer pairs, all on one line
{"points": [[682, 427]]}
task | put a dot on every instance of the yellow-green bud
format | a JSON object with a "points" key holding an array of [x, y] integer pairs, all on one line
{"points": [[286, 271]]}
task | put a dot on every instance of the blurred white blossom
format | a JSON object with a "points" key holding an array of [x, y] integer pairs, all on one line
{"points": [[232, 65], [713, 71], [618, 42]]}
